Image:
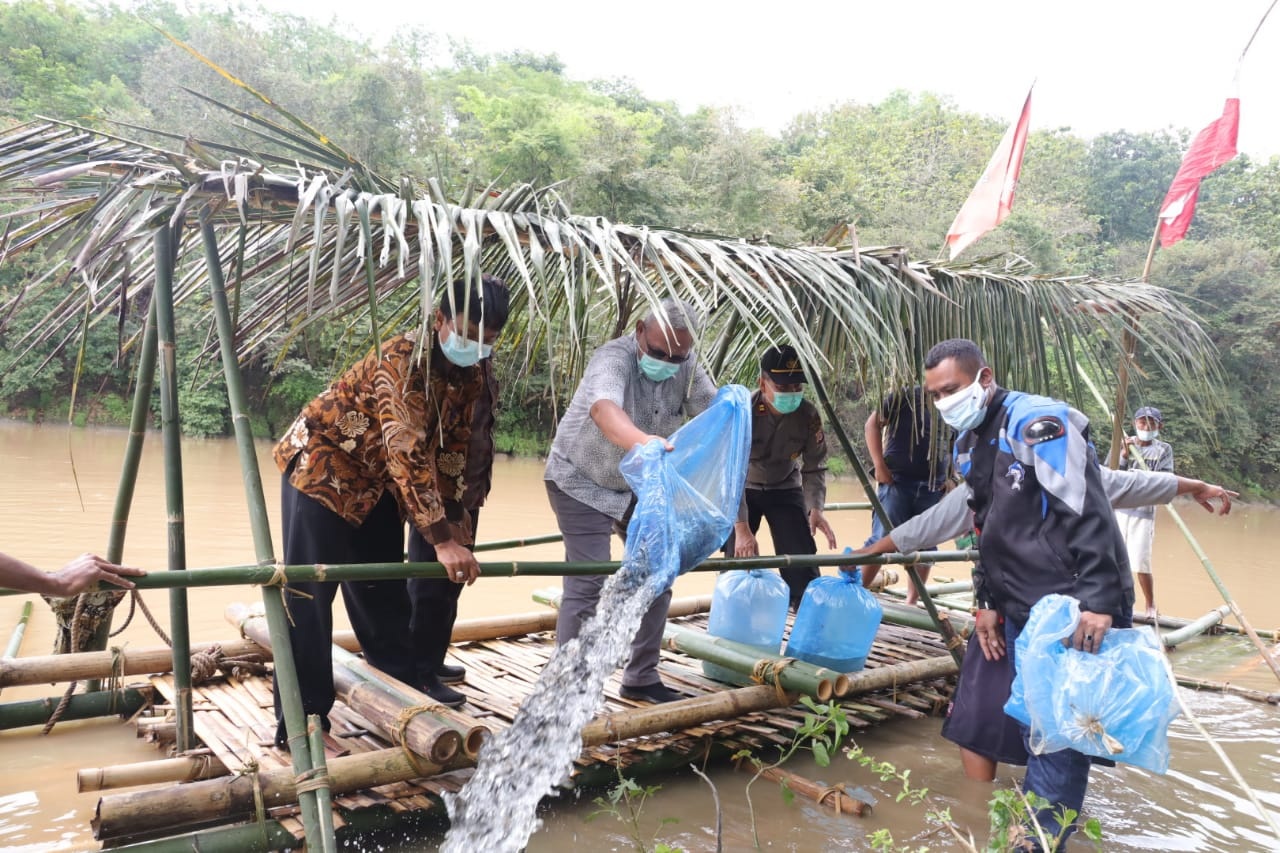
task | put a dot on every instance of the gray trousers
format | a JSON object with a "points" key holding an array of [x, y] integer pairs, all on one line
{"points": [[587, 532]]}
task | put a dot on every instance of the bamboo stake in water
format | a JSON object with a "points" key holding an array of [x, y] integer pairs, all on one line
{"points": [[19, 632], [286, 674], [179, 630]]}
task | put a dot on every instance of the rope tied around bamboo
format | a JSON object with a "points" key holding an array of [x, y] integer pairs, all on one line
{"points": [[400, 732], [281, 580], [312, 780], [206, 663], [252, 770], [768, 671], [837, 792]]}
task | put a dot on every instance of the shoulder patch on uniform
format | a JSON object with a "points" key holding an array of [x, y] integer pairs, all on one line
{"points": [[1044, 428]]}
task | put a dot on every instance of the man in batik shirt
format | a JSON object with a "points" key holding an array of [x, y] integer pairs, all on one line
{"points": [[387, 441]]}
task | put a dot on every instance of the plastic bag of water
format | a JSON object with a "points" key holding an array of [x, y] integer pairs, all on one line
{"points": [[1114, 704], [836, 623], [692, 491]]}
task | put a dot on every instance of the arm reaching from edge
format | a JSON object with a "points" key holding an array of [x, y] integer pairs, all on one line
{"points": [[75, 577]]}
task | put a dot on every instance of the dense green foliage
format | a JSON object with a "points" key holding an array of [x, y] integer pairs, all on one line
{"points": [[897, 171]]}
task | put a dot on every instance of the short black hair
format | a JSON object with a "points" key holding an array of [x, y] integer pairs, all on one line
{"points": [[491, 299], [966, 353]]}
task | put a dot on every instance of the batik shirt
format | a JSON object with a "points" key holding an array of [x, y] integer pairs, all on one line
{"points": [[582, 462], [387, 424]]}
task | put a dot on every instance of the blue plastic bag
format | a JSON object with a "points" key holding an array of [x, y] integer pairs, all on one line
{"points": [[748, 607], [687, 499], [836, 623], [1114, 704]]}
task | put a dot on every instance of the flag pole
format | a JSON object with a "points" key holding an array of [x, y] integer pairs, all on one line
{"points": [[1128, 355]]}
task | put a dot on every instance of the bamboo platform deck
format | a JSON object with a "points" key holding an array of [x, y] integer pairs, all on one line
{"points": [[235, 722]]}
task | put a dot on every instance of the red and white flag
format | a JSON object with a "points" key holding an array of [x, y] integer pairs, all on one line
{"points": [[992, 197], [1212, 147]]}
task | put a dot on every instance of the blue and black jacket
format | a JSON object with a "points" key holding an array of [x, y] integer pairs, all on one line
{"points": [[1043, 520]]}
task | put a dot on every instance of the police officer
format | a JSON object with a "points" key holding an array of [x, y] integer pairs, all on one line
{"points": [[787, 474]]}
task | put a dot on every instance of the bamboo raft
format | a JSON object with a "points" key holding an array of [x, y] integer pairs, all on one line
{"points": [[234, 720]]}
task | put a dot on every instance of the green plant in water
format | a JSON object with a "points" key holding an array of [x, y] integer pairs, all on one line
{"points": [[1012, 813], [821, 732], [625, 802]]}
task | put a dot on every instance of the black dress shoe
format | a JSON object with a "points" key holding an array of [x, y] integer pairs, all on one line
{"points": [[442, 693], [451, 674], [656, 693]]}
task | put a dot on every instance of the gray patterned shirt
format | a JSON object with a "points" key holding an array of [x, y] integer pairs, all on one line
{"points": [[582, 462]]}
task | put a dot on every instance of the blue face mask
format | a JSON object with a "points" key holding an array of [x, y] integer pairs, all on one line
{"points": [[657, 369], [965, 408], [787, 402], [463, 352]]}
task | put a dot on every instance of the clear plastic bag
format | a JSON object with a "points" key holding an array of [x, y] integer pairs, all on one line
{"points": [[1115, 704], [687, 499]]}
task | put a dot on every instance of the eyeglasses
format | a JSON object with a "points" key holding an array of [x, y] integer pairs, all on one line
{"points": [[661, 354]]}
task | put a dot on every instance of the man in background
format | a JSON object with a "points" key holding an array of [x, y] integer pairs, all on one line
{"points": [[911, 478], [1138, 525]]}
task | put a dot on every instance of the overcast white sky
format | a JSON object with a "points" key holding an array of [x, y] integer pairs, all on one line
{"points": [[1100, 65]]}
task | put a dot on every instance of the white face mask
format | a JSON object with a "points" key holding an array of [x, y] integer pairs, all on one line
{"points": [[965, 408], [1148, 434]]}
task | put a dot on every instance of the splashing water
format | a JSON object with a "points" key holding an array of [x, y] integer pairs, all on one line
{"points": [[686, 500], [496, 811]]}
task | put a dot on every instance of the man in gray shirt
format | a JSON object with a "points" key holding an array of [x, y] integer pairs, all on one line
{"points": [[1138, 525], [636, 388]]}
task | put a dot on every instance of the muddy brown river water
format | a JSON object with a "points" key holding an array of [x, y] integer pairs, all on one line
{"points": [[59, 485]]}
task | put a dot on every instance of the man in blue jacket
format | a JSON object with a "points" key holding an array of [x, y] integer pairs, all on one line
{"points": [[1044, 526]]}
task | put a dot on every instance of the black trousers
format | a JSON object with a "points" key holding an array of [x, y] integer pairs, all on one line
{"points": [[434, 603], [789, 526], [378, 610]]}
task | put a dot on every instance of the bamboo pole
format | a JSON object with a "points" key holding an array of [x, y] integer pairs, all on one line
{"points": [[82, 706], [367, 689], [943, 627], [834, 796], [144, 385], [1195, 628], [548, 538], [135, 813], [911, 617], [774, 670], [179, 630], [320, 780], [1233, 689], [19, 632], [44, 669], [285, 673], [249, 838], [270, 575], [400, 713], [1128, 356], [183, 768], [950, 588]]}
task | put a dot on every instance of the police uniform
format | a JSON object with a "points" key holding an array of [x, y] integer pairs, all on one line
{"points": [[787, 473]]}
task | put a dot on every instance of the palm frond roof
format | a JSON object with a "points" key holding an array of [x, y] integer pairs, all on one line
{"points": [[320, 236]]}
